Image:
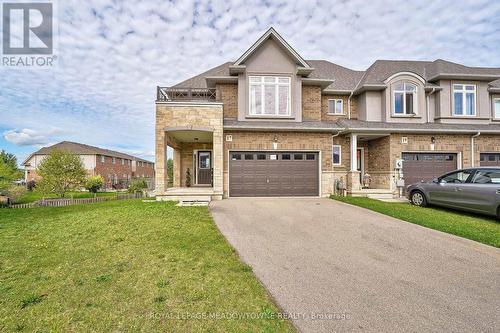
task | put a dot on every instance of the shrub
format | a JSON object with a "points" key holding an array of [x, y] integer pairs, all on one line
{"points": [[94, 183], [138, 185], [188, 178], [31, 185], [15, 192]]}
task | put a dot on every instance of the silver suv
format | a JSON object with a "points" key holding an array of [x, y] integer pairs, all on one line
{"points": [[476, 190]]}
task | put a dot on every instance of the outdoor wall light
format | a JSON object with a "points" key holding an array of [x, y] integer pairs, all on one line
{"points": [[433, 140]]}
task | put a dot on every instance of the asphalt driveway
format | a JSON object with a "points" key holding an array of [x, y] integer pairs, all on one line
{"points": [[334, 267]]}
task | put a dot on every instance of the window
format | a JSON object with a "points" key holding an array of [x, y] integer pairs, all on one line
{"points": [[236, 157], [269, 96], [336, 154], [297, 156], [464, 100], [286, 156], [204, 162], [261, 156], [310, 156], [456, 177], [123, 161], [103, 159], [335, 106], [114, 160], [405, 99], [486, 177], [248, 156], [273, 157], [496, 108]]}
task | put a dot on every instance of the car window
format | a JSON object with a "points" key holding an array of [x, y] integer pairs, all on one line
{"points": [[487, 177], [456, 177]]}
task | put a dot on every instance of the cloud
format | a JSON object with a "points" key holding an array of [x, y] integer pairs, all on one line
{"points": [[113, 54], [29, 137]]}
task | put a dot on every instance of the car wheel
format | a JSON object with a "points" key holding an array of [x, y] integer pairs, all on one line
{"points": [[417, 198]]}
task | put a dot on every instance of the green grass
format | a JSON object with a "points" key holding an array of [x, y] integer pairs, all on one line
{"points": [[476, 227], [34, 196], [125, 266]]}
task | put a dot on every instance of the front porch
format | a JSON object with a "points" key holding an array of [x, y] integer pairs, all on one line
{"points": [[193, 132]]}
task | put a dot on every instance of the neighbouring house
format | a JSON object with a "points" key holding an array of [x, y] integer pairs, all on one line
{"points": [[274, 124], [117, 169]]}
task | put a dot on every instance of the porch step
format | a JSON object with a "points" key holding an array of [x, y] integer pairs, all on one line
{"points": [[194, 200]]}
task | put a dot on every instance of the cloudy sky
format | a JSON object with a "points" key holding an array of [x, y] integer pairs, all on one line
{"points": [[112, 54]]}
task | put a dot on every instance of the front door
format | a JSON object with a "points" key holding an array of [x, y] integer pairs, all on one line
{"points": [[204, 173]]}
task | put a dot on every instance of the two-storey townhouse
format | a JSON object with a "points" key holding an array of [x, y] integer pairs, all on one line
{"points": [[116, 168], [274, 124]]}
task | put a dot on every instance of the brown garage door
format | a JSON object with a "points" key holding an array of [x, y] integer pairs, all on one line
{"points": [[490, 159], [426, 166], [270, 174]]}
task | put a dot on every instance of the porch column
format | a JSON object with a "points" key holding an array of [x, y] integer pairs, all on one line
{"points": [[353, 178], [177, 168], [161, 162], [354, 152], [218, 158]]}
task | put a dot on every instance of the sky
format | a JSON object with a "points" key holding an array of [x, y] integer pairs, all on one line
{"points": [[112, 54]]}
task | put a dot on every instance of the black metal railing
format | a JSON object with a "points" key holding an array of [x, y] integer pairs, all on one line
{"points": [[166, 94]]}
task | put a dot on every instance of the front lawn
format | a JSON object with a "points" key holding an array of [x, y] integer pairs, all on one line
{"points": [[123, 266], [476, 227], [34, 196]]}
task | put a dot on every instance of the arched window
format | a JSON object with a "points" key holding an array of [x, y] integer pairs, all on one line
{"points": [[405, 98]]}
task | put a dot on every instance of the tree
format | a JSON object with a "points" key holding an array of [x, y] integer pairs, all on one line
{"points": [[138, 185], [94, 183], [8, 170], [170, 170], [60, 172]]}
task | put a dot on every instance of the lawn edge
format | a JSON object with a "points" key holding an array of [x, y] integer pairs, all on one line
{"points": [[416, 224]]}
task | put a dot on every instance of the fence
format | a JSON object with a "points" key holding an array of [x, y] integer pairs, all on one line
{"points": [[68, 202]]}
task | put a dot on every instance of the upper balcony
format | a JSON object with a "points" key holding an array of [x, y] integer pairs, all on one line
{"points": [[169, 94]]}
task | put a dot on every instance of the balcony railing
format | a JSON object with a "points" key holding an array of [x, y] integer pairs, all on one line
{"points": [[166, 94]]}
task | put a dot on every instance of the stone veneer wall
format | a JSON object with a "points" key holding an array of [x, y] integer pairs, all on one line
{"points": [[190, 116], [244, 140], [227, 93]]}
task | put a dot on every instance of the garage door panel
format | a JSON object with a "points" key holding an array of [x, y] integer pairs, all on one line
{"points": [[277, 175], [419, 167]]}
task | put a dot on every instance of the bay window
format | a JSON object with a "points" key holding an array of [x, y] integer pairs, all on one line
{"points": [[464, 100], [269, 96], [405, 99], [496, 108]]}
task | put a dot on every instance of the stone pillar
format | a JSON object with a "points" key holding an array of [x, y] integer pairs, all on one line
{"points": [[177, 168], [218, 158], [161, 163], [353, 182]]}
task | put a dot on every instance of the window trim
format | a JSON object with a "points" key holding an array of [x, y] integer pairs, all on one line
{"points": [[334, 113], [415, 99], [495, 100], [340, 155], [276, 97], [464, 99]]}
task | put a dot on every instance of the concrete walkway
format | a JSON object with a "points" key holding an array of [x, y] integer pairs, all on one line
{"points": [[339, 268]]}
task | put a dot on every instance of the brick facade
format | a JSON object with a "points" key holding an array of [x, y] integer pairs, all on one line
{"points": [[228, 94], [114, 173], [311, 103]]}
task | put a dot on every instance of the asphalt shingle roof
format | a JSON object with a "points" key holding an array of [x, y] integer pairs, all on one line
{"points": [[83, 149]]}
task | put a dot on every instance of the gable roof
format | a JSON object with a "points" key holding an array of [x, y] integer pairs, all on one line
{"points": [[83, 149], [271, 33]]}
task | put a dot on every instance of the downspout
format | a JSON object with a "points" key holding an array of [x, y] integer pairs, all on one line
{"points": [[428, 104], [473, 155]]}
